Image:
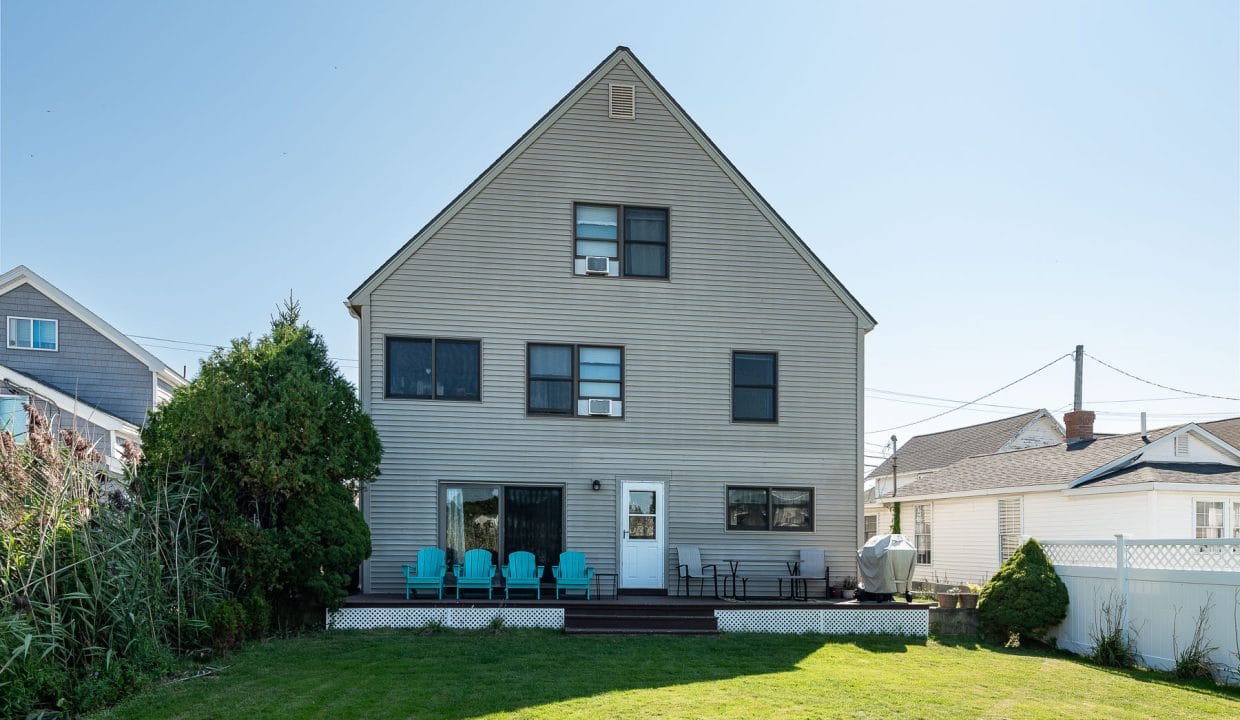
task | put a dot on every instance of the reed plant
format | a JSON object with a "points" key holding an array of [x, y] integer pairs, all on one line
{"points": [[104, 580]]}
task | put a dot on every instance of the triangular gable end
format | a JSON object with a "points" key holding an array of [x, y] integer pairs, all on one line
{"points": [[360, 296], [1155, 448], [22, 275]]}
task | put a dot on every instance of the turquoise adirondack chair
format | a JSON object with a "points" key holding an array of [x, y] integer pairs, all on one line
{"points": [[476, 573], [521, 573], [428, 574], [572, 573]]}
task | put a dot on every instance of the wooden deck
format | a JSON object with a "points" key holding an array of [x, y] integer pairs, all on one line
{"points": [[624, 600]]}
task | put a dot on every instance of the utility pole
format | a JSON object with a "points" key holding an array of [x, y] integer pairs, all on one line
{"points": [[1080, 373], [893, 465]]}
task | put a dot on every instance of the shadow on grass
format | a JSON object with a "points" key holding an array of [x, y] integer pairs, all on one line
{"points": [[1145, 675], [457, 675]]}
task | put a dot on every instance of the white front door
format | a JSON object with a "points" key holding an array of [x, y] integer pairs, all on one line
{"points": [[643, 534]]}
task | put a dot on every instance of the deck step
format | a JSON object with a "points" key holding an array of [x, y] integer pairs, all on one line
{"points": [[639, 622], [638, 631]]}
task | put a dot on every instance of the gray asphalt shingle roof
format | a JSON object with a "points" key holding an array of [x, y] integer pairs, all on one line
{"points": [[936, 450], [1061, 464]]}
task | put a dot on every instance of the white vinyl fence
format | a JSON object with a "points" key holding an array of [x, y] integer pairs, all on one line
{"points": [[1161, 586]]}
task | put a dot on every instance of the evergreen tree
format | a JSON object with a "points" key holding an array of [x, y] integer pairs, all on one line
{"points": [[284, 443], [1025, 597]]}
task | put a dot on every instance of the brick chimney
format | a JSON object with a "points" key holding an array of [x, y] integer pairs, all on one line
{"points": [[1080, 425]]}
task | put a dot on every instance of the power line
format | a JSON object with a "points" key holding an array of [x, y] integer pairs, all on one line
{"points": [[941, 399], [204, 345], [971, 402], [1160, 385]]}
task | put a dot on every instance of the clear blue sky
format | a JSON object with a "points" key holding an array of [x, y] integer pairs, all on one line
{"points": [[995, 181]]}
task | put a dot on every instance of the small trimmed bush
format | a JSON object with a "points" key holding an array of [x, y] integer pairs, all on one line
{"points": [[1024, 598], [229, 624]]}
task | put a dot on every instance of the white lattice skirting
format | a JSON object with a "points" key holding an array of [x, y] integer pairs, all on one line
{"points": [[826, 622], [462, 618]]}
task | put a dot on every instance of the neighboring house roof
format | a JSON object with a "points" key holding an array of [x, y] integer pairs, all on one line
{"points": [[620, 54], [22, 275], [1065, 464], [66, 402], [1197, 474], [937, 450]]}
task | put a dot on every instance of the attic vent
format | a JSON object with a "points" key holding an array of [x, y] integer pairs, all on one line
{"points": [[621, 101], [1181, 446]]}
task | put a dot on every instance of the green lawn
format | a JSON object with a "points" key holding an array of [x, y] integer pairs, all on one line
{"points": [[543, 674]]}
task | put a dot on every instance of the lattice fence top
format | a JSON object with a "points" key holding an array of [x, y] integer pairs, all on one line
{"points": [[826, 622], [1101, 554], [1209, 555]]}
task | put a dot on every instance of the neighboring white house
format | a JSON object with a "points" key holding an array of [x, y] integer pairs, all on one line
{"points": [[921, 455], [1175, 482]]}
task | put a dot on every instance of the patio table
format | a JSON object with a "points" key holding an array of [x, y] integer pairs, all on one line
{"points": [[794, 570]]}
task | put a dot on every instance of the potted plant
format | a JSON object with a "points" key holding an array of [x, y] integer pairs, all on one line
{"points": [[968, 598], [849, 586], [947, 599]]}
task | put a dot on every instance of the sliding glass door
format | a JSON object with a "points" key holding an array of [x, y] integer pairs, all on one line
{"points": [[503, 519]]}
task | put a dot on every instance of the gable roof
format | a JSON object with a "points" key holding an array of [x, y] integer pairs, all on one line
{"points": [[1063, 464], [22, 275], [65, 401], [621, 54], [937, 450]]}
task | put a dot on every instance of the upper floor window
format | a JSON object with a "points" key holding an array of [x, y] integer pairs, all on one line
{"points": [[620, 240], [575, 380], [431, 368], [754, 387], [33, 334]]}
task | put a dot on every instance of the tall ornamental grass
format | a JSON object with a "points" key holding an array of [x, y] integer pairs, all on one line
{"points": [[103, 581]]}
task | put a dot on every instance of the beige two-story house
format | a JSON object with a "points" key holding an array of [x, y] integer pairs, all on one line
{"points": [[610, 342]]}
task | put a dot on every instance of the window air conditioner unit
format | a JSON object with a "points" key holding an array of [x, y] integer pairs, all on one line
{"points": [[600, 407], [597, 265]]}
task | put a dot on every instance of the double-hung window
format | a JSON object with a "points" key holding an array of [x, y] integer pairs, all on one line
{"points": [[759, 508], [13, 416], [631, 240], [1208, 519], [754, 385], [574, 380], [33, 334], [921, 532], [433, 369]]}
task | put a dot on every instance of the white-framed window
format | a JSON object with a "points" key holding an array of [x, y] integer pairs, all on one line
{"points": [[1010, 525], [922, 519], [33, 334], [1235, 519], [871, 527], [1208, 519], [13, 415]]}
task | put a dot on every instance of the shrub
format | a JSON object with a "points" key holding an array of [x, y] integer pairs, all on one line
{"points": [[258, 611], [1194, 660], [1112, 645], [285, 441], [1024, 598], [229, 624]]}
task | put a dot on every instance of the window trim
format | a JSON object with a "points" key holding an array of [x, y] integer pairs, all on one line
{"points": [[929, 552], [770, 508], [387, 368], [8, 332], [1020, 531], [774, 387], [620, 239], [1227, 504], [576, 381]]}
